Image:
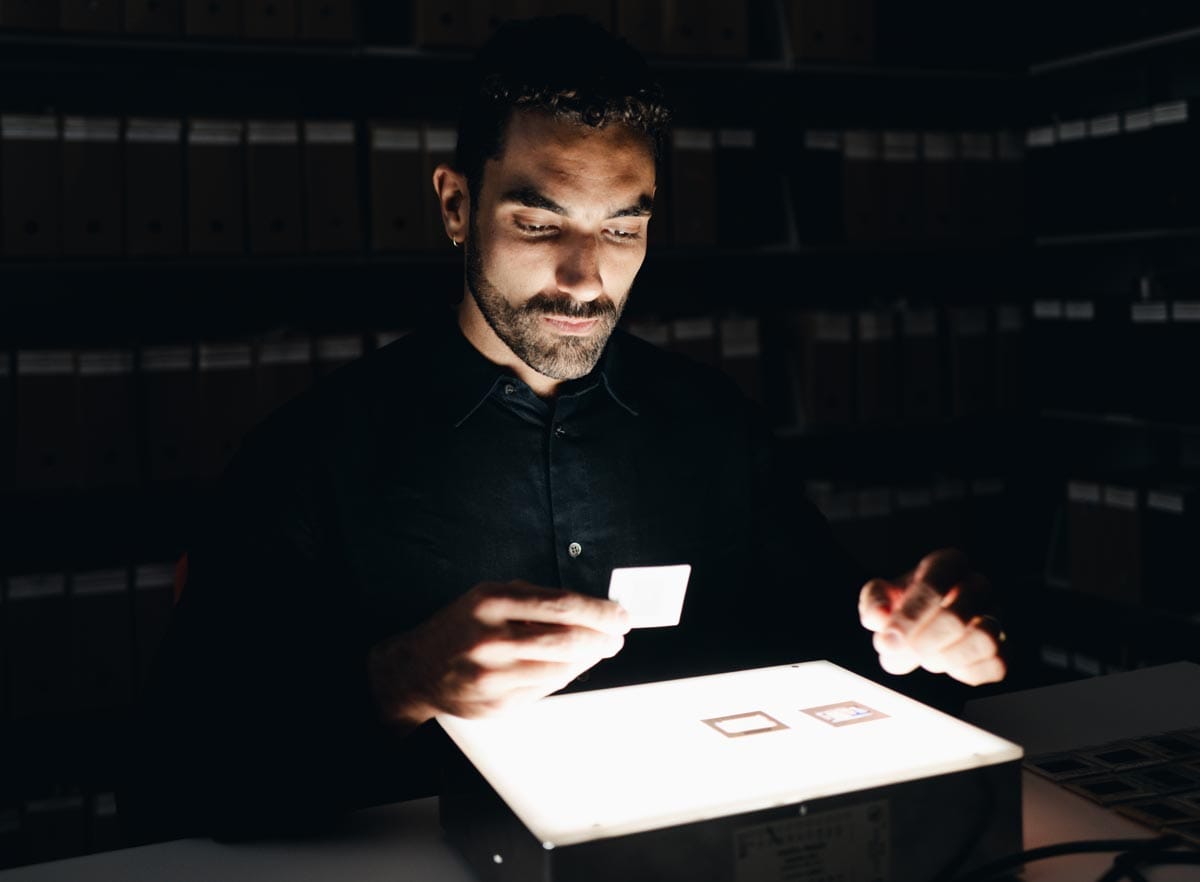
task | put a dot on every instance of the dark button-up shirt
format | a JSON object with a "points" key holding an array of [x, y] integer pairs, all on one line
{"points": [[368, 505]]}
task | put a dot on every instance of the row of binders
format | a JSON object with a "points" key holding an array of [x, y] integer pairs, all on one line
{"points": [[889, 528], [900, 366], [1114, 357], [160, 414], [1114, 172], [305, 20], [106, 186], [83, 641], [1134, 544], [61, 822]]}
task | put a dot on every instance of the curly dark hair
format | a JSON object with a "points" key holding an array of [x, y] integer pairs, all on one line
{"points": [[565, 66]]}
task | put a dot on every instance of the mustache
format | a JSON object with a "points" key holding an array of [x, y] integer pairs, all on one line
{"points": [[568, 307]]}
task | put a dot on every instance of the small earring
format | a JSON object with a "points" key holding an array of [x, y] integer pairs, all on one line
{"points": [[453, 241]]}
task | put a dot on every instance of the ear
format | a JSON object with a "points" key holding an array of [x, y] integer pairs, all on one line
{"points": [[454, 201]]}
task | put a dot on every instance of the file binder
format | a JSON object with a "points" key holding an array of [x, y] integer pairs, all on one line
{"points": [[30, 185], [48, 450], [91, 186], [403, 202], [106, 395], [215, 182], [331, 188], [273, 181], [167, 380], [153, 187], [159, 17]]}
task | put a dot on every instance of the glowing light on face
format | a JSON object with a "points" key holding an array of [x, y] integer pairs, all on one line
{"points": [[610, 762]]}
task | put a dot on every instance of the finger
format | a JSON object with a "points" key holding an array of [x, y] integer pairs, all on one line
{"points": [[524, 602], [536, 641], [902, 662], [918, 603], [935, 633], [975, 645], [875, 602], [942, 569], [990, 670], [492, 684]]}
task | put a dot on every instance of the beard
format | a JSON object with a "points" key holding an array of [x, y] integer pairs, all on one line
{"points": [[557, 356]]}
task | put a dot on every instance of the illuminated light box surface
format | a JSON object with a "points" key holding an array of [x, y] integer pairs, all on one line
{"points": [[730, 777]]}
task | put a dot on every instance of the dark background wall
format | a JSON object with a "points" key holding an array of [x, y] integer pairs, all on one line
{"points": [[950, 247]]}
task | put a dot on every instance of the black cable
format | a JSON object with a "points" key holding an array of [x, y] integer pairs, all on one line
{"points": [[992, 869], [1125, 865]]}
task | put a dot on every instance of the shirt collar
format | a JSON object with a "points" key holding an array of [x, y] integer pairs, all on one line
{"points": [[465, 378]]}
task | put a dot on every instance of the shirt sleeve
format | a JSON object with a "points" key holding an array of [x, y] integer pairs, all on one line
{"points": [[257, 717]]}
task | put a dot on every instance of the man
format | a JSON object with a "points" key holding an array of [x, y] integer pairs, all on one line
{"points": [[433, 530]]}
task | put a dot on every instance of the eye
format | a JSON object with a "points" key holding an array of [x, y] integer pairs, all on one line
{"points": [[625, 235], [536, 229]]}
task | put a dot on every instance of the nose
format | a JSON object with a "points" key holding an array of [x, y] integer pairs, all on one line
{"points": [[579, 268]]}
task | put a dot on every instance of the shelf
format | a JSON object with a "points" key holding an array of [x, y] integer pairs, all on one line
{"points": [[1115, 51], [1120, 237], [1118, 421]]}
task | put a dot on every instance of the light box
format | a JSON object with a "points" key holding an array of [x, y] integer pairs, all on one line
{"points": [[802, 771]]}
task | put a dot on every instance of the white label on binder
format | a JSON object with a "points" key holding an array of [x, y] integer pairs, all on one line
{"points": [[105, 363], [18, 127], [150, 576], [329, 133], [215, 132], [1071, 130], [345, 348], [396, 139], [441, 140], [658, 333], [1079, 310], [1138, 120], [1124, 498], [1105, 125], [1047, 310], [160, 359], [740, 338], [815, 139], [98, 129], [286, 352], [832, 327], [45, 363], [948, 490], [1040, 136], [874, 326], [1185, 311], [1161, 500], [688, 329], [861, 145], [260, 132], [738, 139], [1169, 113], [1083, 491], [939, 147], [99, 582], [919, 323], [693, 139], [36, 586], [900, 146], [224, 356], [142, 130], [1148, 313]]}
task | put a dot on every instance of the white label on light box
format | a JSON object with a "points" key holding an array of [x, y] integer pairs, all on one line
{"points": [[919, 322], [874, 502], [398, 139], [832, 327], [329, 133], [37, 586], [977, 146], [345, 348], [1169, 113], [851, 844], [821, 140], [1039, 137], [736, 139], [1162, 500], [1009, 318], [653, 596], [1083, 491], [1138, 120], [106, 362], [1072, 130], [1148, 313], [1046, 310], [160, 359], [155, 575], [45, 363], [215, 132], [286, 352], [272, 132], [224, 356], [861, 145], [97, 129], [693, 139], [17, 127], [691, 329], [143, 130], [1105, 125], [1123, 498], [1185, 311], [900, 146], [740, 338], [873, 326], [99, 582], [939, 147], [440, 139], [1079, 310]]}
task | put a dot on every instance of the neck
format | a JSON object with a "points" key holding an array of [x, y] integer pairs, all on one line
{"points": [[480, 335]]}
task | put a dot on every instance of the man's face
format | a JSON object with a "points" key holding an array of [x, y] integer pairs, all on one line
{"points": [[557, 236]]}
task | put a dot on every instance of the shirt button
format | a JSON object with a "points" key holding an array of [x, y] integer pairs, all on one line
{"points": [[574, 549], [559, 431], [509, 388]]}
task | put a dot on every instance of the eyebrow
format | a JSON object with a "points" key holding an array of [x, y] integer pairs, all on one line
{"points": [[531, 197]]}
